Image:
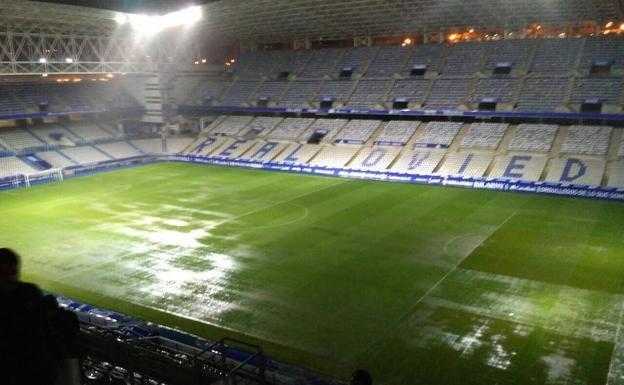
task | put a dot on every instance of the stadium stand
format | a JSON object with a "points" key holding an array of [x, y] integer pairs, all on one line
{"points": [[261, 126], [239, 92], [616, 175], [447, 94], [397, 132], [300, 93], [148, 146], [12, 165], [587, 140], [328, 128], [465, 164], [271, 90], [438, 134], [84, 154], [119, 150], [321, 63], [265, 151], [233, 148], [430, 55], [533, 137], [232, 125], [357, 131], [420, 161], [528, 167], [517, 52], [604, 48], [413, 90], [338, 90], [291, 128], [178, 145], [621, 148], [368, 94], [334, 156], [556, 56], [502, 89], [210, 90], [90, 131], [205, 146], [576, 171], [55, 158], [484, 135], [607, 90], [376, 158], [19, 139], [53, 134], [466, 58], [543, 94], [388, 62], [355, 58], [298, 153]]}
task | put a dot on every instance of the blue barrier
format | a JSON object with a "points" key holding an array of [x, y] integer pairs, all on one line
{"points": [[407, 112]]}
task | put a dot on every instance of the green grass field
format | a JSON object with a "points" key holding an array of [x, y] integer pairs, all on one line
{"points": [[421, 285]]}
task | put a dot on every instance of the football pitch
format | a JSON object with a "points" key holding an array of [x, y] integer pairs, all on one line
{"points": [[418, 284]]}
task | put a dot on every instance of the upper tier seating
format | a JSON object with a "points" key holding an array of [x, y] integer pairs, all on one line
{"points": [[533, 137], [577, 171], [54, 134], [588, 140], [368, 94], [388, 62], [19, 139], [85, 154], [603, 48], [339, 90], [431, 55], [291, 128], [300, 92], [119, 150], [335, 156], [466, 58], [420, 161], [447, 94], [414, 90], [270, 64], [8, 104], [210, 89], [321, 63], [501, 88], [356, 58], [438, 134], [12, 165], [375, 158], [232, 125], [556, 55], [55, 158], [328, 126], [484, 135], [519, 167], [357, 131], [239, 92], [465, 164], [543, 94], [271, 89], [517, 52], [397, 132], [608, 90]]}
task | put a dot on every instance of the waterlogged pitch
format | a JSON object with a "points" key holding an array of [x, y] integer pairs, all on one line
{"points": [[421, 285]]}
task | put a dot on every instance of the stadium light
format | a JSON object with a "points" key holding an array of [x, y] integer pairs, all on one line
{"points": [[149, 25], [69, 60], [609, 24], [42, 60], [622, 26], [44, 75]]}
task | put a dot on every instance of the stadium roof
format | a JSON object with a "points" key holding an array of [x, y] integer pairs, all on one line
{"points": [[275, 20]]}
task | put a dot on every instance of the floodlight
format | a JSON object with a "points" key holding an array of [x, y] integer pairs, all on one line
{"points": [[69, 60], [42, 60], [149, 25], [44, 75]]}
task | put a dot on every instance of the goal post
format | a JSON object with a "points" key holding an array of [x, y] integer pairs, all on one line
{"points": [[51, 175]]}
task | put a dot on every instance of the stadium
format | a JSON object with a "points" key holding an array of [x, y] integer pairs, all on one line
{"points": [[395, 192]]}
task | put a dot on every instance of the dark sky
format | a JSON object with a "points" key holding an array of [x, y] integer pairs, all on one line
{"points": [[134, 6]]}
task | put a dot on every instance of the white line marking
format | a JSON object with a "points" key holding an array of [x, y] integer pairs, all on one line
{"points": [[615, 367]]}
